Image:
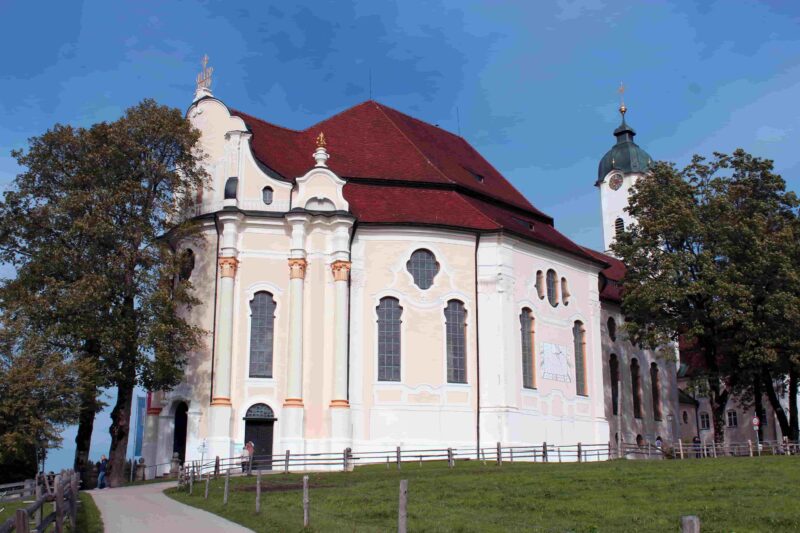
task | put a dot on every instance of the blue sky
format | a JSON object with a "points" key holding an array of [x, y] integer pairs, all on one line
{"points": [[534, 83]]}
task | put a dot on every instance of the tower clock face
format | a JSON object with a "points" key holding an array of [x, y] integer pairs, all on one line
{"points": [[615, 182]]}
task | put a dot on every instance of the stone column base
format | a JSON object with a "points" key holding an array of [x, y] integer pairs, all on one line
{"points": [[341, 430], [292, 434]]}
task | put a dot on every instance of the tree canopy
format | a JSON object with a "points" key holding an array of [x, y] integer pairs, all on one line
{"points": [[711, 265]]}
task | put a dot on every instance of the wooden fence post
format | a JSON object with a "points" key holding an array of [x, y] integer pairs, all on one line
{"points": [[750, 446], [74, 499], [208, 478], [499, 455], [580, 452], [59, 504], [398, 457], [559, 454], [306, 503], [191, 481], [609, 450], [680, 448], [511, 454], [690, 524], [216, 467], [258, 492], [402, 513], [227, 486], [450, 461], [38, 517], [286, 462], [544, 452], [714, 449], [344, 460], [21, 522]]}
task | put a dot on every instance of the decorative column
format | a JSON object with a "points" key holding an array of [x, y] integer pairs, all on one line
{"points": [[340, 406], [293, 409], [221, 409]]}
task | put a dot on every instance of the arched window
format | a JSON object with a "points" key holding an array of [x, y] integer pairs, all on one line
{"points": [[540, 284], [262, 334], [266, 195], [612, 328], [186, 264], [579, 336], [389, 312], [685, 417], [526, 324], [639, 440], [552, 287], [423, 268], [619, 226], [636, 388], [613, 368], [260, 411], [655, 383], [565, 294], [230, 188], [456, 331]]}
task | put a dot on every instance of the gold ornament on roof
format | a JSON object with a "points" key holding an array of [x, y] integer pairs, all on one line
{"points": [[622, 107], [204, 78], [321, 140]]}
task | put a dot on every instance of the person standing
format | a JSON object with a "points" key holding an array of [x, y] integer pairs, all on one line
{"points": [[101, 472], [245, 459]]}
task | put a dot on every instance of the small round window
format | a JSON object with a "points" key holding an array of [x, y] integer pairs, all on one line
{"points": [[423, 268], [266, 195]]}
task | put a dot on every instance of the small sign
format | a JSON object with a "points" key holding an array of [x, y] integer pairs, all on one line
{"points": [[756, 422]]}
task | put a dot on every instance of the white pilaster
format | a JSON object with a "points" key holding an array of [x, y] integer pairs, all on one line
{"points": [[340, 406]]}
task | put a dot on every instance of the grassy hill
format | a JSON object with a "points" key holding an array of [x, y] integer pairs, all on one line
{"points": [[729, 494]]}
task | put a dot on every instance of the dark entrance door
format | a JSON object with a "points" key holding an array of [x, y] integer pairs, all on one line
{"points": [[259, 423], [179, 437]]}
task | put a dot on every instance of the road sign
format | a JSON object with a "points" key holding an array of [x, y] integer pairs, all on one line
{"points": [[756, 421]]}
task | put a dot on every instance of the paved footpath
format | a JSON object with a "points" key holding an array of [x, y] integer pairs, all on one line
{"points": [[145, 508]]}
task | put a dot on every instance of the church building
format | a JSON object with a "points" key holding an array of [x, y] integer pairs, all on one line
{"points": [[372, 282]]}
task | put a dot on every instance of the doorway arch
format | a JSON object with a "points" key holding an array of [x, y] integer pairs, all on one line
{"points": [[259, 425], [179, 434]]}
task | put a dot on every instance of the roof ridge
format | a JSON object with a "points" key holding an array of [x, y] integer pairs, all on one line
{"points": [[412, 143]]}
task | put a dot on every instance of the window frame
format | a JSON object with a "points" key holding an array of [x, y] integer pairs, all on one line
{"points": [[270, 324], [735, 418], [447, 342], [705, 421], [581, 385], [528, 359], [636, 387], [614, 375], [655, 391], [424, 252], [271, 195], [552, 288], [399, 332]]}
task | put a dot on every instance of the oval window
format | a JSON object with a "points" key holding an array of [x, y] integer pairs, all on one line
{"points": [[266, 195], [423, 268]]}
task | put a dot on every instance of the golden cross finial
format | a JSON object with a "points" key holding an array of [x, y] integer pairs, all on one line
{"points": [[204, 78], [621, 91], [321, 140]]}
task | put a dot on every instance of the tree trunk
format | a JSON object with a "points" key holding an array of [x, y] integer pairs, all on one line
{"points": [[718, 398], [88, 408], [120, 430], [758, 400], [794, 430], [774, 401]]}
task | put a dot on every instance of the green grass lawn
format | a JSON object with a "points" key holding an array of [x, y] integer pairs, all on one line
{"points": [[89, 519], [8, 509], [728, 494]]}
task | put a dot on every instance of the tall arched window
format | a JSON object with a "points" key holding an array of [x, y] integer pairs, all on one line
{"points": [[655, 383], [636, 388], [565, 294], [186, 264], [526, 324], [389, 312], [456, 331], [423, 268], [262, 333], [579, 337], [613, 368], [612, 328], [552, 287], [619, 226]]}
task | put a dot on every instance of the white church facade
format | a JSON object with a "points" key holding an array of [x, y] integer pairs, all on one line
{"points": [[373, 282]]}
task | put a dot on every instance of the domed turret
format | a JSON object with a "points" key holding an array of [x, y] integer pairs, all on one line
{"points": [[625, 156]]}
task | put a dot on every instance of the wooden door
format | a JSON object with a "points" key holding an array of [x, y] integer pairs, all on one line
{"points": [[260, 432]]}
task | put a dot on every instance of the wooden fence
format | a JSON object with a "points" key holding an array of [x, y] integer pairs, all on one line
{"points": [[62, 492]]}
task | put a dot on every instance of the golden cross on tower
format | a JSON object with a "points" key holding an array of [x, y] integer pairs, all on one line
{"points": [[621, 91], [204, 78]]}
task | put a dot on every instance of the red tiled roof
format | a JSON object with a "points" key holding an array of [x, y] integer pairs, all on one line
{"points": [[400, 170]]}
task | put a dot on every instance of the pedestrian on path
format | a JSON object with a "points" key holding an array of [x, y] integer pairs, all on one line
{"points": [[245, 459], [101, 472]]}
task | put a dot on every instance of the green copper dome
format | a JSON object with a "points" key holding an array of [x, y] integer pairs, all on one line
{"points": [[625, 156]]}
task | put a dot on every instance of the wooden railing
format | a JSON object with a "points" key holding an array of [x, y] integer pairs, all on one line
{"points": [[62, 492]]}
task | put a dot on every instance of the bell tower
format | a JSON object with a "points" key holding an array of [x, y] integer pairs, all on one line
{"points": [[619, 169]]}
